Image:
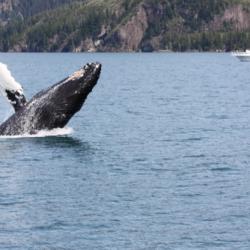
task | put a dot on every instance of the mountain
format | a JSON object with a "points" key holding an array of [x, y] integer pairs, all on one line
{"points": [[11, 9], [124, 25]]}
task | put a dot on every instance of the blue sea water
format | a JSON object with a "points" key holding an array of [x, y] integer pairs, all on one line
{"points": [[159, 157]]}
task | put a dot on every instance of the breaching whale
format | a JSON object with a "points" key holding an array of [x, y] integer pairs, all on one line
{"points": [[50, 108]]}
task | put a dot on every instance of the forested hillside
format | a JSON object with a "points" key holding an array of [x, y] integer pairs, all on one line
{"points": [[124, 25]]}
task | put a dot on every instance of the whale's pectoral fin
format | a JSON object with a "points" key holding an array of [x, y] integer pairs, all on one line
{"points": [[16, 99], [10, 88]]}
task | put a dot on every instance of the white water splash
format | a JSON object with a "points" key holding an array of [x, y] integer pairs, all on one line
{"points": [[42, 133], [7, 81]]}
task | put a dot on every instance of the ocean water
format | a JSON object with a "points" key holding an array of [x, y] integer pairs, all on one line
{"points": [[158, 157]]}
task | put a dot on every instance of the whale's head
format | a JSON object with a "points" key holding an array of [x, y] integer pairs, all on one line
{"points": [[71, 92], [54, 107]]}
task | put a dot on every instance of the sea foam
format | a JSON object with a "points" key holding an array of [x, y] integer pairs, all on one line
{"points": [[42, 133]]}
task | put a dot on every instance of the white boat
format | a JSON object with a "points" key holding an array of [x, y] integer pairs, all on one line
{"points": [[243, 56]]}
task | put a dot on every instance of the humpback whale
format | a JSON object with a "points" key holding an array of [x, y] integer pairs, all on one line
{"points": [[51, 108]]}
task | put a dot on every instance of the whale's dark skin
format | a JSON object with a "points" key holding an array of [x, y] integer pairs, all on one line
{"points": [[52, 108]]}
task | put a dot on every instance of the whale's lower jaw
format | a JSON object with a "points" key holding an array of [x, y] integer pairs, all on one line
{"points": [[54, 107]]}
